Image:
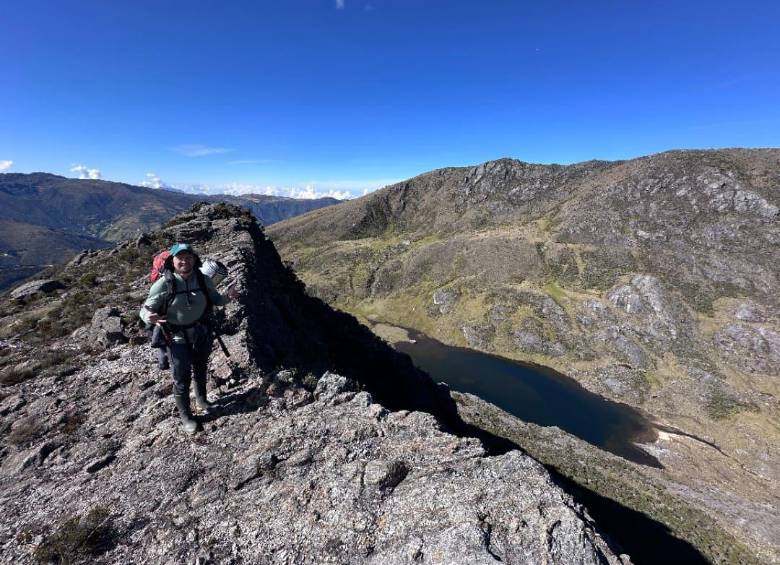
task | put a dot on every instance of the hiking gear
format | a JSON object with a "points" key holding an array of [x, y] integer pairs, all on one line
{"points": [[201, 400], [188, 424], [179, 247], [181, 300], [158, 265], [235, 372], [214, 269], [159, 338], [171, 290]]}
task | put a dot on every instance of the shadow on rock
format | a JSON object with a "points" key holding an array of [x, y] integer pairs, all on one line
{"points": [[629, 531]]}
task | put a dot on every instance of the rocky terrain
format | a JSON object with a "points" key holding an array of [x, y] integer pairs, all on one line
{"points": [[653, 282], [325, 445], [46, 219]]}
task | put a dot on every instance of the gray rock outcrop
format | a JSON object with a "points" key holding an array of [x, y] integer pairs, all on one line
{"points": [[106, 327], [43, 286]]}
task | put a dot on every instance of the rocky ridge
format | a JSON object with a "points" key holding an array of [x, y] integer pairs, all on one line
{"points": [[653, 282], [298, 464]]}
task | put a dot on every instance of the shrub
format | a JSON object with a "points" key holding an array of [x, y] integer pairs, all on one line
{"points": [[129, 255], [25, 430], [88, 280], [15, 375], [78, 538], [71, 423]]}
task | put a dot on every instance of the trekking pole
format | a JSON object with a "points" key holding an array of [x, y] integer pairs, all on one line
{"points": [[222, 345], [231, 365]]}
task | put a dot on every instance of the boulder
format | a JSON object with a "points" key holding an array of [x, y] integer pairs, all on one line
{"points": [[41, 286], [106, 327]]}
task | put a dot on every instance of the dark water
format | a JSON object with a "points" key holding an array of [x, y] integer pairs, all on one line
{"points": [[536, 395]]}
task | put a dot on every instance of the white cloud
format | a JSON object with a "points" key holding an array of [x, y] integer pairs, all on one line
{"points": [[340, 4], [5, 165], [309, 192], [342, 190], [194, 150], [153, 180], [85, 172]]}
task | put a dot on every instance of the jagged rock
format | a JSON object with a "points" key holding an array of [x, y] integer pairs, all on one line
{"points": [[106, 327], [331, 385], [663, 316], [650, 259], [83, 257], [384, 474], [42, 286], [630, 352], [444, 299], [142, 240]]}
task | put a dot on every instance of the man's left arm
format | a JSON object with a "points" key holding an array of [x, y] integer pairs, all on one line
{"points": [[217, 298]]}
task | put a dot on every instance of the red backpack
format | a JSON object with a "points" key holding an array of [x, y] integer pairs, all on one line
{"points": [[158, 265]]}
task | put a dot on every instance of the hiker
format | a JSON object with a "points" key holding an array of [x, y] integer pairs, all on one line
{"points": [[179, 302]]}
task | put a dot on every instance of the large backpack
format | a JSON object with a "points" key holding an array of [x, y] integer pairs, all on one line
{"points": [[158, 265]]}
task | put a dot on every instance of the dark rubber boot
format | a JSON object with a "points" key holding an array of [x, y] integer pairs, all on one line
{"points": [[188, 424], [200, 394]]}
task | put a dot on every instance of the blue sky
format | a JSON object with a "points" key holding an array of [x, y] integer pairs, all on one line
{"points": [[329, 95]]}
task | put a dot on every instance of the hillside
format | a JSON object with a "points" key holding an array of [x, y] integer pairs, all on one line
{"points": [[326, 447], [653, 282], [46, 219]]}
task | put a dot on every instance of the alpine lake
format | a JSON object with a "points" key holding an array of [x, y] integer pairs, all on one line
{"points": [[533, 394]]}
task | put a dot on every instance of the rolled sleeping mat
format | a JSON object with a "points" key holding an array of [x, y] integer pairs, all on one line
{"points": [[214, 269]]}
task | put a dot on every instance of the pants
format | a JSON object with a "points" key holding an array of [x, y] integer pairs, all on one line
{"points": [[187, 359]]}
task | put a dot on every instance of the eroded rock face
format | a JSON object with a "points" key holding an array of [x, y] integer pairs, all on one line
{"points": [[652, 311], [479, 336]]}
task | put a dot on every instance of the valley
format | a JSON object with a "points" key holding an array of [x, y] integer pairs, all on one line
{"points": [[46, 219]]}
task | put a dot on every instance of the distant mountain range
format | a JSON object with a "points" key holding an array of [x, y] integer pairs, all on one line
{"points": [[45, 219]]}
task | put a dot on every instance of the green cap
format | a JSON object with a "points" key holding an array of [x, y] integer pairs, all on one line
{"points": [[179, 247]]}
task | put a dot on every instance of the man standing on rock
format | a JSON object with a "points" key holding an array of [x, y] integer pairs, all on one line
{"points": [[180, 301]]}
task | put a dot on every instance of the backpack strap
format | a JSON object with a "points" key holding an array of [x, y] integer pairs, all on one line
{"points": [[171, 292]]}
